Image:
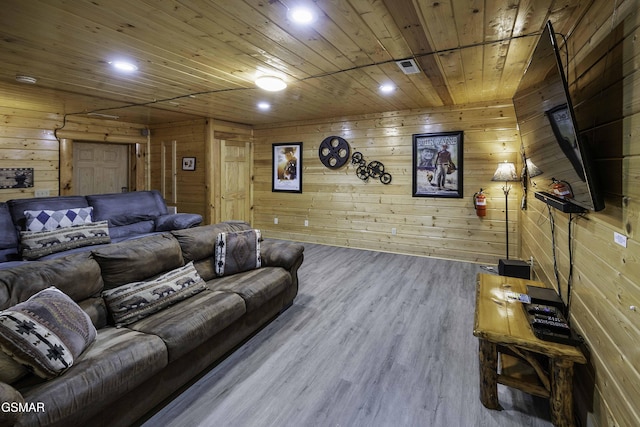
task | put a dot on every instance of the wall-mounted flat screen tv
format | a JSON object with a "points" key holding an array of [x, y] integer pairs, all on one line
{"points": [[548, 128]]}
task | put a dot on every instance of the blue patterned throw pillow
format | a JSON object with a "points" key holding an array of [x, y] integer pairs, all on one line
{"points": [[50, 220], [46, 333]]}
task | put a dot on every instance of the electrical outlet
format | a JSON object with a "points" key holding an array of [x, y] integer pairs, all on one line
{"points": [[306, 222], [394, 231], [620, 239], [42, 193], [275, 220]]}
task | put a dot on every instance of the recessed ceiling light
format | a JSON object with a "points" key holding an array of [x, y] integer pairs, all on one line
{"points": [[387, 88], [301, 15], [26, 79], [264, 105], [270, 83], [127, 67]]}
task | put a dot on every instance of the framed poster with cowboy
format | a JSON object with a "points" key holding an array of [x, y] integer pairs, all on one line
{"points": [[437, 164], [287, 167]]}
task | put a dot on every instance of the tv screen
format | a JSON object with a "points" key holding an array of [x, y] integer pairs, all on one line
{"points": [[545, 116]]}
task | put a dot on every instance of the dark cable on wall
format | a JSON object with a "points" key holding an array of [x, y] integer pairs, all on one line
{"points": [[316, 76]]}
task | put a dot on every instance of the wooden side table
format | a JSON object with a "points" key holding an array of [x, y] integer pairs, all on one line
{"points": [[504, 332]]}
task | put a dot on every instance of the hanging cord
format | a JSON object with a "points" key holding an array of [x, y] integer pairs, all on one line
{"points": [[552, 224], [56, 130], [571, 242], [570, 277]]}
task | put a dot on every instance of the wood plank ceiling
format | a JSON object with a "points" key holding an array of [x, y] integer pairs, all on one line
{"points": [[200, 57]]}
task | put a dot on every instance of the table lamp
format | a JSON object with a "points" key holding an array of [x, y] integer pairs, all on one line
{"points": [[506, 172]]}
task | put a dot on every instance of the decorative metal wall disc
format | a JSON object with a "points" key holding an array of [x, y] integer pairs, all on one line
{"points": [[334, 152]]}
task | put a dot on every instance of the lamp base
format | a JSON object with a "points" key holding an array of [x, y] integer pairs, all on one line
{"points": [[514, 268]]}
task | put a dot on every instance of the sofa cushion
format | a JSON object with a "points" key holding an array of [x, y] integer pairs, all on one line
{"points": [[199, 242], [138, 259], [76, 275], [40, 220], [119, 360], [177, 221], [127, 219], [8, 235], [46, 333], [237, 251], [256, 287], [281, 253], [17, 207], [36, 244], [191, 322], [134, 301], [10, 370], [121, 232], [121, 205], [96, 309], [9, 395]]}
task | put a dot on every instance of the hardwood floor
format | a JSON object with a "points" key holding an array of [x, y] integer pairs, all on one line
{"points": [[373, 339]]}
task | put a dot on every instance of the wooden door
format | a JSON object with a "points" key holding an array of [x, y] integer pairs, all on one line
{"points": [[168, 171], [235, 177], [100, 168]]}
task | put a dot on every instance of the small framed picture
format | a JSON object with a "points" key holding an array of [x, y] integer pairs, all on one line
{"points": [[188, 163], [437, 164], [16, 177], [287, 167]]}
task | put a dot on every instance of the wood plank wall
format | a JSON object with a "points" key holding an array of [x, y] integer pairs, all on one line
{"points": [[343, 210], [604, 81], [28, 138], [199, 191], [189, 140]]}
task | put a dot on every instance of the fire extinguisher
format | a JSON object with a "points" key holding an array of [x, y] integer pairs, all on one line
{"points": [[561, 189], [480, 203]]}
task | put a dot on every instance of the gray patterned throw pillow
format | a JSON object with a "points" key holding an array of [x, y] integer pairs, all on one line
{"points": [[36, 244], [238, 251], [134, 301], [46, 333]]}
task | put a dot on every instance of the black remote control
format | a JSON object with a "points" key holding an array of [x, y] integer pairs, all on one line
{"points": [[561, 326]]}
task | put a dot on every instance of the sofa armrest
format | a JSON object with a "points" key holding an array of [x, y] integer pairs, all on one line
{"points": [[177, 221], [9, 397], [280, 253]]}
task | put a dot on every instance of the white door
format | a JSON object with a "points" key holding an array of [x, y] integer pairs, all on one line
{"points": [[100, 168]]}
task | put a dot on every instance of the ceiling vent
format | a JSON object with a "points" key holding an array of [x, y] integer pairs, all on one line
{"points": [[408, 66], [26, 79]]}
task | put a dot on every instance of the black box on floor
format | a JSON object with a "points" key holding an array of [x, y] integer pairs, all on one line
{"points": [[514, 268]]}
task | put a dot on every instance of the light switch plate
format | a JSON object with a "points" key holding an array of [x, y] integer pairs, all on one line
{"points": [[620, 239]]}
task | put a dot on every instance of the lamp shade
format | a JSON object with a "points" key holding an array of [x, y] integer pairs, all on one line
{"points": [[532, 169], [506, 172]]}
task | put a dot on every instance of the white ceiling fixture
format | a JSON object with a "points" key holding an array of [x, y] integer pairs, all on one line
{"points": [[270, 83], [301, 15], [387, 88], [125, 66]]}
